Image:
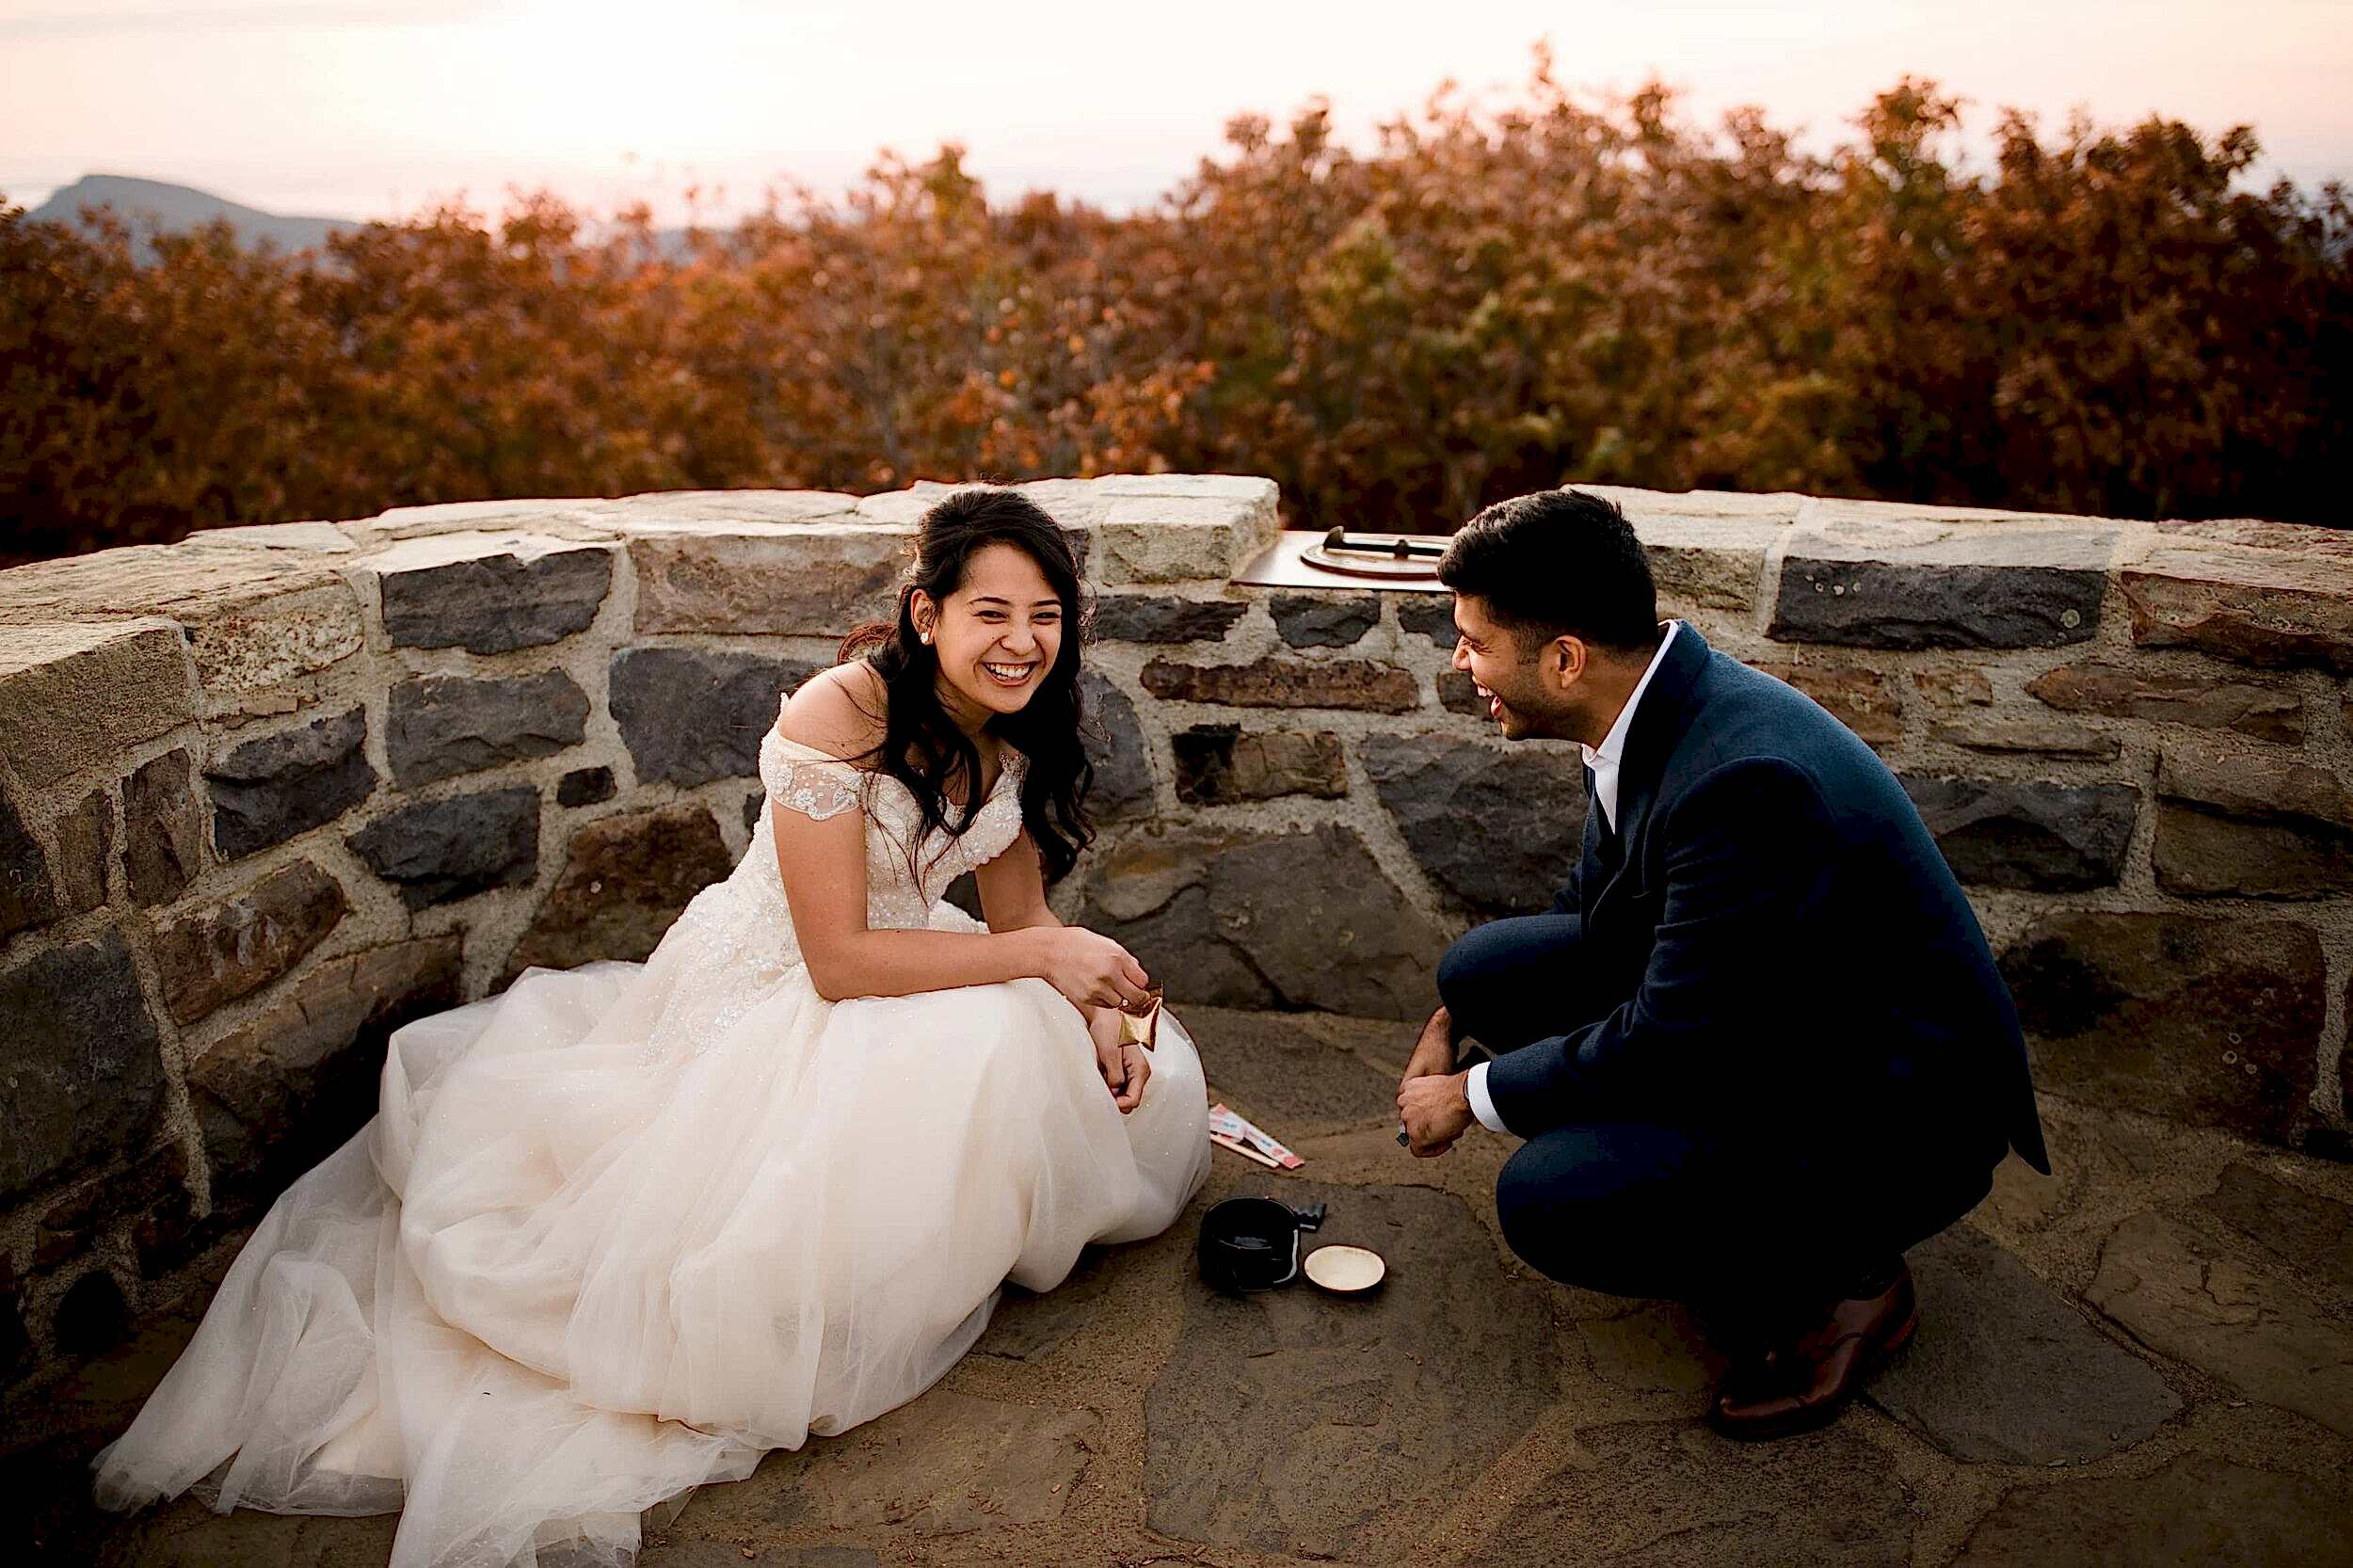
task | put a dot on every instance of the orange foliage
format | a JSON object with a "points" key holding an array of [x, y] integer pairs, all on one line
{"points": [[1488, 301]]}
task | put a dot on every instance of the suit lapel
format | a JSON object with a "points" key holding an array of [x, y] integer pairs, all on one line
{"points": [[1650, 739], [1602, 850]]}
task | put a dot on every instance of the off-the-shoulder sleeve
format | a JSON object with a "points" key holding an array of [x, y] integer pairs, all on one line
{"points": [[804, 780]]}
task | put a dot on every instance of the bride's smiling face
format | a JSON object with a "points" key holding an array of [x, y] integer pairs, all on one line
{"points": [[996, 636]]}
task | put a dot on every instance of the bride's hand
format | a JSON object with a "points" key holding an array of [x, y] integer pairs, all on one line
{"points": [[1090, 969], [1125, 1066]]}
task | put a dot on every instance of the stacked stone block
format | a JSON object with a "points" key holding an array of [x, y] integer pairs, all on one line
{"points": [[268, 795]]}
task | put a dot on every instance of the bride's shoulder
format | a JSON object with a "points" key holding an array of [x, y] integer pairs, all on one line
{"points": [[840, 711]]}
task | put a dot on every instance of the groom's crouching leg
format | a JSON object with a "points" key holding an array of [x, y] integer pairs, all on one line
{"points": [[1862, 1308], [1603, 1206], [1504, 982], [1634, 1210]]}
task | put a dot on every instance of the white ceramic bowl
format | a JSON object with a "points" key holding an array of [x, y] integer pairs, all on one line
{"points": [[1346, 1271]]}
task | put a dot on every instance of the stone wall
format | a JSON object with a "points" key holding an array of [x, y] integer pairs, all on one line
{"points": [[269, 793]]}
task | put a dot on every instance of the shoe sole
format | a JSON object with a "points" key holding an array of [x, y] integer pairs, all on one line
{"points": [[1813, 1418]]}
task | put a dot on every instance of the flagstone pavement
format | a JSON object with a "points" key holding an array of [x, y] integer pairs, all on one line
{"points": [[2145, 1360]]}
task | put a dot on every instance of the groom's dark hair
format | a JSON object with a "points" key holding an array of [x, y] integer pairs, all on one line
{"points": [[1556, 563]]}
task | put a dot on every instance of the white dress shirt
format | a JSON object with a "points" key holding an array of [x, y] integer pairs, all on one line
{"points": [[1604, 760]]}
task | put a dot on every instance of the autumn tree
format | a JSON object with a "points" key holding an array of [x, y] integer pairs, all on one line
{"points": [[1488, 300]]}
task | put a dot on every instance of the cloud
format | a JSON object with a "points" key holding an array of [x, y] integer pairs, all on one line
{"points": [[274, 16]]}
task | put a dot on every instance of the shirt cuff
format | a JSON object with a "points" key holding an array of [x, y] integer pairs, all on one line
{"points": [[1482, 1104]]}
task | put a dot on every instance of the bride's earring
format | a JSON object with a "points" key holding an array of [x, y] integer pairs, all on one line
{"points": [[924, 638]]}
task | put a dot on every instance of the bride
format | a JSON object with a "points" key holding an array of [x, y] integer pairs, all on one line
{"points": [[615, 1233]]}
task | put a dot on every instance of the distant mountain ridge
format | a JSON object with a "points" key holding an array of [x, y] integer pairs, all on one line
{"points": [[177, 209]]}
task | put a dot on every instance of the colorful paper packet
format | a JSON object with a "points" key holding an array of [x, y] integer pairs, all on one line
{"points": [[1239, 1134], [1246, 1152]]}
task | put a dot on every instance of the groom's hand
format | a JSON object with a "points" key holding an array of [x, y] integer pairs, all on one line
{"points": [[1433, 1052], [1436, 1109]]}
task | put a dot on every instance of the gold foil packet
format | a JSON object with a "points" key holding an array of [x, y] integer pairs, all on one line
{"points": [[1140, 1023]]}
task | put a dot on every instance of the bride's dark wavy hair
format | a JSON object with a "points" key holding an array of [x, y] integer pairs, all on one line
{"points": [[921, 746]]}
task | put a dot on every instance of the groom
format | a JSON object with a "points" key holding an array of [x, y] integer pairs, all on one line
{"points": [[1759, 1046]]}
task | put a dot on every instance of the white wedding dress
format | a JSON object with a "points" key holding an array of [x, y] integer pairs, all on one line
{"points": [[616, 1232]]}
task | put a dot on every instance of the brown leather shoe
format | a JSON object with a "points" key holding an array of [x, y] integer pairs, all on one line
{"points": [[1803, 1383]]}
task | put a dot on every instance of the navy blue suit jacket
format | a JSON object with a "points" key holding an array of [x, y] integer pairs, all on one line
{"points": [[1771, 932]]}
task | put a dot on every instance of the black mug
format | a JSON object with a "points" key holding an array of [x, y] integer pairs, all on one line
{"points": [[1253, 1244]]}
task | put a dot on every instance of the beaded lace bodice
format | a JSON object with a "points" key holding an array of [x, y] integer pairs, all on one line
{"points": [[735, 943], [901, 890]]}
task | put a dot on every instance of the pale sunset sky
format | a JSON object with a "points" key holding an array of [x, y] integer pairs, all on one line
{"points": [[363, 108]]}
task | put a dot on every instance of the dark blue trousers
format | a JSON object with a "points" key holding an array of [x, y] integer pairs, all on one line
{"points": [[1736, 1207]]}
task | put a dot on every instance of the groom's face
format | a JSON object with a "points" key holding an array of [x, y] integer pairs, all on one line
{"points": [[1508, 673]]}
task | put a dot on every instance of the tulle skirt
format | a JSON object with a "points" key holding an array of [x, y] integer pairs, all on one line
{"points": [[620, 1229]]}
